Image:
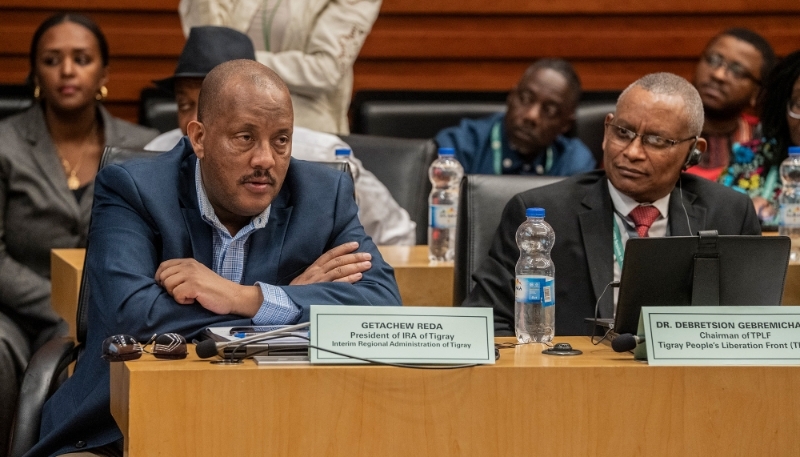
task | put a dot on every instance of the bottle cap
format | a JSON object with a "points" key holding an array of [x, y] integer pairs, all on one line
{"points": [[342, 152], [447, 152], [534, 212], [794, 150]]}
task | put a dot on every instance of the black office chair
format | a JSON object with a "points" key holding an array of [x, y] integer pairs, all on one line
{"points": [[481, 202], [402, 166], [419, 113], [590, 125], [14, 98], [158, 109], [420, 119], [47, 369]]}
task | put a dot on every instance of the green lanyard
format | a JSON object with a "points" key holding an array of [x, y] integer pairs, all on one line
{"points": [[497, 152], [768, 189], [619, 249]]}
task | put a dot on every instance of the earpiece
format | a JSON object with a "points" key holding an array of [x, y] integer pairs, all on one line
{"points": [[694, 156]]}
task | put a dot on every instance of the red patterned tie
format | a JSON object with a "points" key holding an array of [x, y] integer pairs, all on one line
{"points": [[643, 217]]}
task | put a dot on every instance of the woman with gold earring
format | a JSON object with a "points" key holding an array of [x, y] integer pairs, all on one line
{"points": [[49, 155]]}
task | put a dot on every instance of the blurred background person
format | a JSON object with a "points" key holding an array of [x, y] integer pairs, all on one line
{"points": [[728, 76], [311, 44], [754, 164], [529, 137], [49, 155], [384, 220]]}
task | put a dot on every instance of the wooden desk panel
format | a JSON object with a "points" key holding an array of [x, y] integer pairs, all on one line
{"points": [[599, 404], [66, 271], [791, 289], [421, 282]]}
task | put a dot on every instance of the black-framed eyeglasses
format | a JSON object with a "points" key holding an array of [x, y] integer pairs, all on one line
{"points": [[793, 109], [119, 348], [623, 137], [735, 69], [527, 99]]}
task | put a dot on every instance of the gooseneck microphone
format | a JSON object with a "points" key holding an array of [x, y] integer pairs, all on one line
{"points": [[626, 342], [210, 348]]}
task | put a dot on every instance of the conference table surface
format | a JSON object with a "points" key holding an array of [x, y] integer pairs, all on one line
{"points": [[597, 404]]}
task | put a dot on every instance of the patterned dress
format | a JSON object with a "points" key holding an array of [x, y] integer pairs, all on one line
{"points": [[754, 171]]}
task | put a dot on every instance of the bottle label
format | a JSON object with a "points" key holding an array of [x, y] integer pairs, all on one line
{"points": [[790, 214], [532, 289], [443, 216]]}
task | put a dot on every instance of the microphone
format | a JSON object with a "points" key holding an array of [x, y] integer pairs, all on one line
{"points": [[210, 348], [626, 342]]}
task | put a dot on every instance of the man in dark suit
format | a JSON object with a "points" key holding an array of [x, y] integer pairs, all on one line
{"points": [[653, 136], [225, 229]]}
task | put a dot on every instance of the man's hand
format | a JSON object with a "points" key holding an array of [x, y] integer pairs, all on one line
{"points": [[188, 280], [338, 264], [764, 210]]}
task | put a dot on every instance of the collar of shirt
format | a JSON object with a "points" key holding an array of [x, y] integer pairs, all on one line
{"points": [[207, 211], [513, 163], [624, 204]]}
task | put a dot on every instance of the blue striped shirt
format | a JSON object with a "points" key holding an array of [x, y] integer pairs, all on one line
{"points": [[230, 254]]}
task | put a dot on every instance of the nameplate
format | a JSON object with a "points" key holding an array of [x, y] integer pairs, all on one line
{"points": [[722, 335], [402, 334]]}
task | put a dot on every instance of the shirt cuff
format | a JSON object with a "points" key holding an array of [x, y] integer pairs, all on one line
{"points": [[277, 308]]}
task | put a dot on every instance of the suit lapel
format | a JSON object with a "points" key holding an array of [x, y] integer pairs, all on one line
{"points": [[44, 153], [268, 243], [113, 135], [677, 216], [595, 220], [199, 231]]}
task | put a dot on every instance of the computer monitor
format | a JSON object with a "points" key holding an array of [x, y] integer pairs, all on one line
{"points": [[701, 270]]}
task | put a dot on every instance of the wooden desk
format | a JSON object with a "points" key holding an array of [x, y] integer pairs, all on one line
{"points": [[791, 289], [421, 282], [66, 271], [598, 404]]}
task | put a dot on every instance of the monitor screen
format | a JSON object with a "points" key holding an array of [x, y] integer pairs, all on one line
{"points": [[661, 272]]}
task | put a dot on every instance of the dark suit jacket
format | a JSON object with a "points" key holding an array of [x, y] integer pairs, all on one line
{"points": [[146, 212], [581, 213]]}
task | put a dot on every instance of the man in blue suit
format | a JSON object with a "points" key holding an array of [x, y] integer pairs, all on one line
{"points": [[225, 229]]}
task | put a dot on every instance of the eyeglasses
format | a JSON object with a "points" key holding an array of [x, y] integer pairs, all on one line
{"points": [[527, 99], [793, 109], [119, 348], [736, 69], [622, 137]]}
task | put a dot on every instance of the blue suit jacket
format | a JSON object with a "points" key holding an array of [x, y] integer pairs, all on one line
{"points": [[146, 212]]}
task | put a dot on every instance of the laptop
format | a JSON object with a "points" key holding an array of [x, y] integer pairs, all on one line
{"points": [[701, 270]]}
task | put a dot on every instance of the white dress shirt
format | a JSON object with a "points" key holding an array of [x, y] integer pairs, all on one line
{"points": [[623, 205]]}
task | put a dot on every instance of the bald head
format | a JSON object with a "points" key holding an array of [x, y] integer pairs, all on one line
{"points": [[217, 92], [670, 84], [242, 139]]}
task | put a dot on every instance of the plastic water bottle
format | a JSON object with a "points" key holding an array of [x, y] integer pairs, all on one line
{"points": [[345, 155], [534, 287], [445, 174], [789, 201]]}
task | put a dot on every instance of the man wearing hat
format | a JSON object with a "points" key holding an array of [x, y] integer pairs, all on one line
{"points": [[382, 217]]}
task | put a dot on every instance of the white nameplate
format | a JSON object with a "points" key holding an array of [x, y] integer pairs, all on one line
{"points": [[722, 335], [402, 334]]}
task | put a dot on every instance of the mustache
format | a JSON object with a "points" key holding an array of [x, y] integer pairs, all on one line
{"points": [[714, 85], [259, 176]]}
